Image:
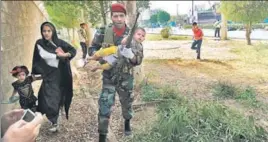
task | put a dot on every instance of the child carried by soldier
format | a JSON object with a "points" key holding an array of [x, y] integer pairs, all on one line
{"points": [[23, 86], [110, 54]]}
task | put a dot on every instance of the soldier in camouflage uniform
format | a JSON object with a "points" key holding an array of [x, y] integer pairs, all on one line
{"points": [[120, 77]]}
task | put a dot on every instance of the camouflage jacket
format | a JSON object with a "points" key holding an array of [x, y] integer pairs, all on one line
{"points": [[123, 68]]}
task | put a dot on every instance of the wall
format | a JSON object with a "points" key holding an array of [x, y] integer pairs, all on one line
{"points": [[20, 28]]}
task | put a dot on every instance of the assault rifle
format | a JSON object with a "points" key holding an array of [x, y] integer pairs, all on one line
{"points": [[129, 39]]}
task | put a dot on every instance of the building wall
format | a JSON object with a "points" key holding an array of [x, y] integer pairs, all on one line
{"points": [[20, 28]]}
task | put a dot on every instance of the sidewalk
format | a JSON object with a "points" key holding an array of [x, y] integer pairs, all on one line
{"points": [[255, 35]]}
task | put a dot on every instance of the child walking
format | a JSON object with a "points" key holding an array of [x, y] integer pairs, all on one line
{"points": [[23, 86]]}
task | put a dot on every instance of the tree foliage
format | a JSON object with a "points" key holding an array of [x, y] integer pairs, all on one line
{"points": [[68, 14], [247, 12], [92, 11], [153, 18], [144, 4], [163, 17], [60, 15]]}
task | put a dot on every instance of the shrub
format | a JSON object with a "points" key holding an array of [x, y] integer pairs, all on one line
{"points": [[165, 32], [182, 120], [225, 90]]}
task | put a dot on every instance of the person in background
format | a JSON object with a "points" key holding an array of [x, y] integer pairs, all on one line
{"points": [[83, 38], [217, 26], [198, 38]]}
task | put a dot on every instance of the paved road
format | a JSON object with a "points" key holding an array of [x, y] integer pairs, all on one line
{"points": [[255, 35]]}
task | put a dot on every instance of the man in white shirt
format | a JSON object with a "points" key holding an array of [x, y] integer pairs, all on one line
{"points": [[217, 26]]}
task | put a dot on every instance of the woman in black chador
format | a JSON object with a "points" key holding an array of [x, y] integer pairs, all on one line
{"points": [[51, 59]]}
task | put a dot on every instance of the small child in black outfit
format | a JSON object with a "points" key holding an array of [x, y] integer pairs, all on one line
{"points": [[23, 86]]}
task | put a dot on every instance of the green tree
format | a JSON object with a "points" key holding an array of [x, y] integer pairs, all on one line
{"points": [[69, 14], [144, 4], [60, 15], [153, 18], [163, 17], [61, 12], [247, 12], [92, 11], [105, 8]]}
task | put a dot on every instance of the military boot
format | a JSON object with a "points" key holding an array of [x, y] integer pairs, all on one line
{"points": [[102, 138], [127, 128]]}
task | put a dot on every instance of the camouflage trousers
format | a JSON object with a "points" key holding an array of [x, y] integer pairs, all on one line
{"points": [[107, 101]]}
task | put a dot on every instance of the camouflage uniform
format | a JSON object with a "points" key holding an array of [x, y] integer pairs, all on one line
{"points": [[118, 79]]}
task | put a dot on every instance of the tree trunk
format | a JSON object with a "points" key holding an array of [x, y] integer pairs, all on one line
{"points": [[69, 36], [103, 10], [82, 15], [88, 33], [131, 12], [223, 27], [73, 34], [248, 32]]}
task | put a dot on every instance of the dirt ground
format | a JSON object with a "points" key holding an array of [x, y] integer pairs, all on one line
{"points": [[82, 125], [166, 62]]}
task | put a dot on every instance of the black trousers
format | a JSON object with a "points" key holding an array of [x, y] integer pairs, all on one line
{"points": [[84, 49], [217, 32]]}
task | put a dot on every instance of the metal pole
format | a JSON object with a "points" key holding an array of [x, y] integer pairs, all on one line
{"points": [[192, 7], [177, 10]]}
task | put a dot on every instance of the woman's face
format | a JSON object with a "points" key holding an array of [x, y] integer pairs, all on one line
{"points": [[47, 32]]}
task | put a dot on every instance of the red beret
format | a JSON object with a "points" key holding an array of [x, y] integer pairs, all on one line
{"points": [[117, 7]]}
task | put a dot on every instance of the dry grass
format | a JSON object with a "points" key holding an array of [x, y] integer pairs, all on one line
{"points": [[250, 67], [157, 37]]}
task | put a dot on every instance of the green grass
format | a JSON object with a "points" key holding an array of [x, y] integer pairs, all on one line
{"points": [[183, 120], [157, 37], [224, 90], [247, 96], [154, 92], [149, 93], [244, 95]]}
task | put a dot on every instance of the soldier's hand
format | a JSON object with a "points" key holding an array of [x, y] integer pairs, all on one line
{"points": [[127, 52], [124, 41]]}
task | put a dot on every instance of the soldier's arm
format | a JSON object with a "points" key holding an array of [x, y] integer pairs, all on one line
{"points": [[98, 37], [97, 41]]}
